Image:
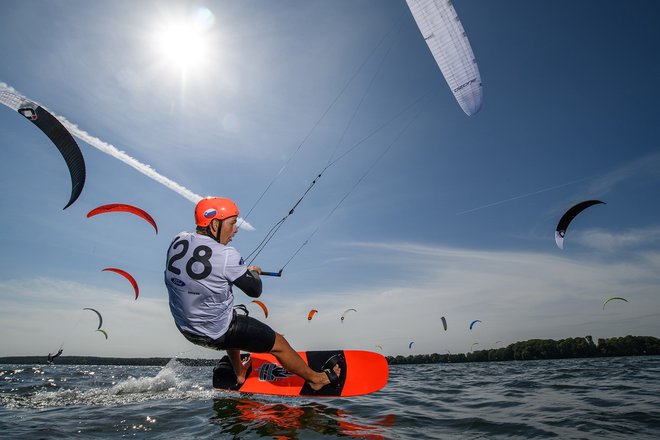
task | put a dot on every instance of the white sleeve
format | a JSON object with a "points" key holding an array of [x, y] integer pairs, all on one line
{"points": [[233, 265]]}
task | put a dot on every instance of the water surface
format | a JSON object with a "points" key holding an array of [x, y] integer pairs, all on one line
{"points": [[604, 398]]}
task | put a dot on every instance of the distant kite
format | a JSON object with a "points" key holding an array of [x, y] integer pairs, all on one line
{"points": [[345, 312], [56, 132], [472, 347], [311, 314], [568, 216], [99, 315], [126, 275], [612, 298], [121, 207], [410, 345], [444, 323], [262, 305], [473, 323], [104, 333]]}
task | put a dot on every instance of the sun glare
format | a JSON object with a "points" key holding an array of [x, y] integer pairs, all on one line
{"points": [[183, 44]]}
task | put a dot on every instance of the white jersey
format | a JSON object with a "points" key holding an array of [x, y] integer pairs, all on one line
{"points": [[199, 274]]}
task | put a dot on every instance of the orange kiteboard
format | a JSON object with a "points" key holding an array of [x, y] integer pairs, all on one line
{"points": [[362, 372]]}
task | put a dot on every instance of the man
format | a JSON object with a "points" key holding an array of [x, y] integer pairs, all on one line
{"points": [[52, 357], [201, 271]]}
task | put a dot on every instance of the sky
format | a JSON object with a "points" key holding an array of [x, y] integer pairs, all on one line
{"points": [[428, 213]]}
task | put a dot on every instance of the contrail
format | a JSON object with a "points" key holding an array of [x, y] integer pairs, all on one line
{"points": [[113, 151], [131, 161], [522, 196]]}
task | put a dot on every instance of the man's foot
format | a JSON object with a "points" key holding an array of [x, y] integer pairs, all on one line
{"points": [[243, 369], [329, 375]]}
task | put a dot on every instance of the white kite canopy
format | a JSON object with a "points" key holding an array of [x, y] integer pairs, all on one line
{"points": [[445, 36]]}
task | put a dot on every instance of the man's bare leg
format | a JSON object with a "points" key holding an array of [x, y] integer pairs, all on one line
{"points": [[296, 365]]}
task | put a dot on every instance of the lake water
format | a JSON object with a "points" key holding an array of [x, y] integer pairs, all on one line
{"points": [[601, 398]]}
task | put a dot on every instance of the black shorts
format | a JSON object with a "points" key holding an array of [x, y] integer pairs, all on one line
{"points": [[244, 333]]}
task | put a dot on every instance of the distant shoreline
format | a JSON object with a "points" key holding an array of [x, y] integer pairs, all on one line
{"points": [[533, 349], [543, 349], [95, 360]]}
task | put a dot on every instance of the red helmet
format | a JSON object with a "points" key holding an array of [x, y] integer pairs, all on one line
{"points": [[214, 207]]}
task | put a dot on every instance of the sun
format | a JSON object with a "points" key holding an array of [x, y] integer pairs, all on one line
{"points": [[183, 43]]}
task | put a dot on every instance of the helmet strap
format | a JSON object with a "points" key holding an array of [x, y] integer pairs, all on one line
{"points": [[217, 236], [206, 230]]}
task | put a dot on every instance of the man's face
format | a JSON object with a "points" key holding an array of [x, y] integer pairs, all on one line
{"points": [[228, 230]]}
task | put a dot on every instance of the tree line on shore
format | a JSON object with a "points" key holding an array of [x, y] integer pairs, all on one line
{"points": [[94, 360], [533, 349], [536, 349]]}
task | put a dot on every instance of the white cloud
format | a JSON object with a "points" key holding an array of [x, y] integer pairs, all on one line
{"points": [[516, 295], [610, 242], [643, 167], [40, 314]]}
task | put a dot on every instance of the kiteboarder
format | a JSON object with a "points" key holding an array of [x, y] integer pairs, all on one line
{"points": [[201, 269], [51, 357]]}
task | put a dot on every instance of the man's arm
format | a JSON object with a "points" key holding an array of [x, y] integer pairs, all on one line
{"points": [[250, 283]]}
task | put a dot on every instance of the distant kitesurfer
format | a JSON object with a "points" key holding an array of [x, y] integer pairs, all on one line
{"points": [[51, 357], [201, 269]]}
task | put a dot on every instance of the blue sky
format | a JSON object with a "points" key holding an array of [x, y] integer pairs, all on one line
{"points": [[457, 219]]}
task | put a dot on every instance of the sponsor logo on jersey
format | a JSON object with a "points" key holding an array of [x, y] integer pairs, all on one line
{"points": [[241, 262], [177, 282], [272, 372], [210, 213]]}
